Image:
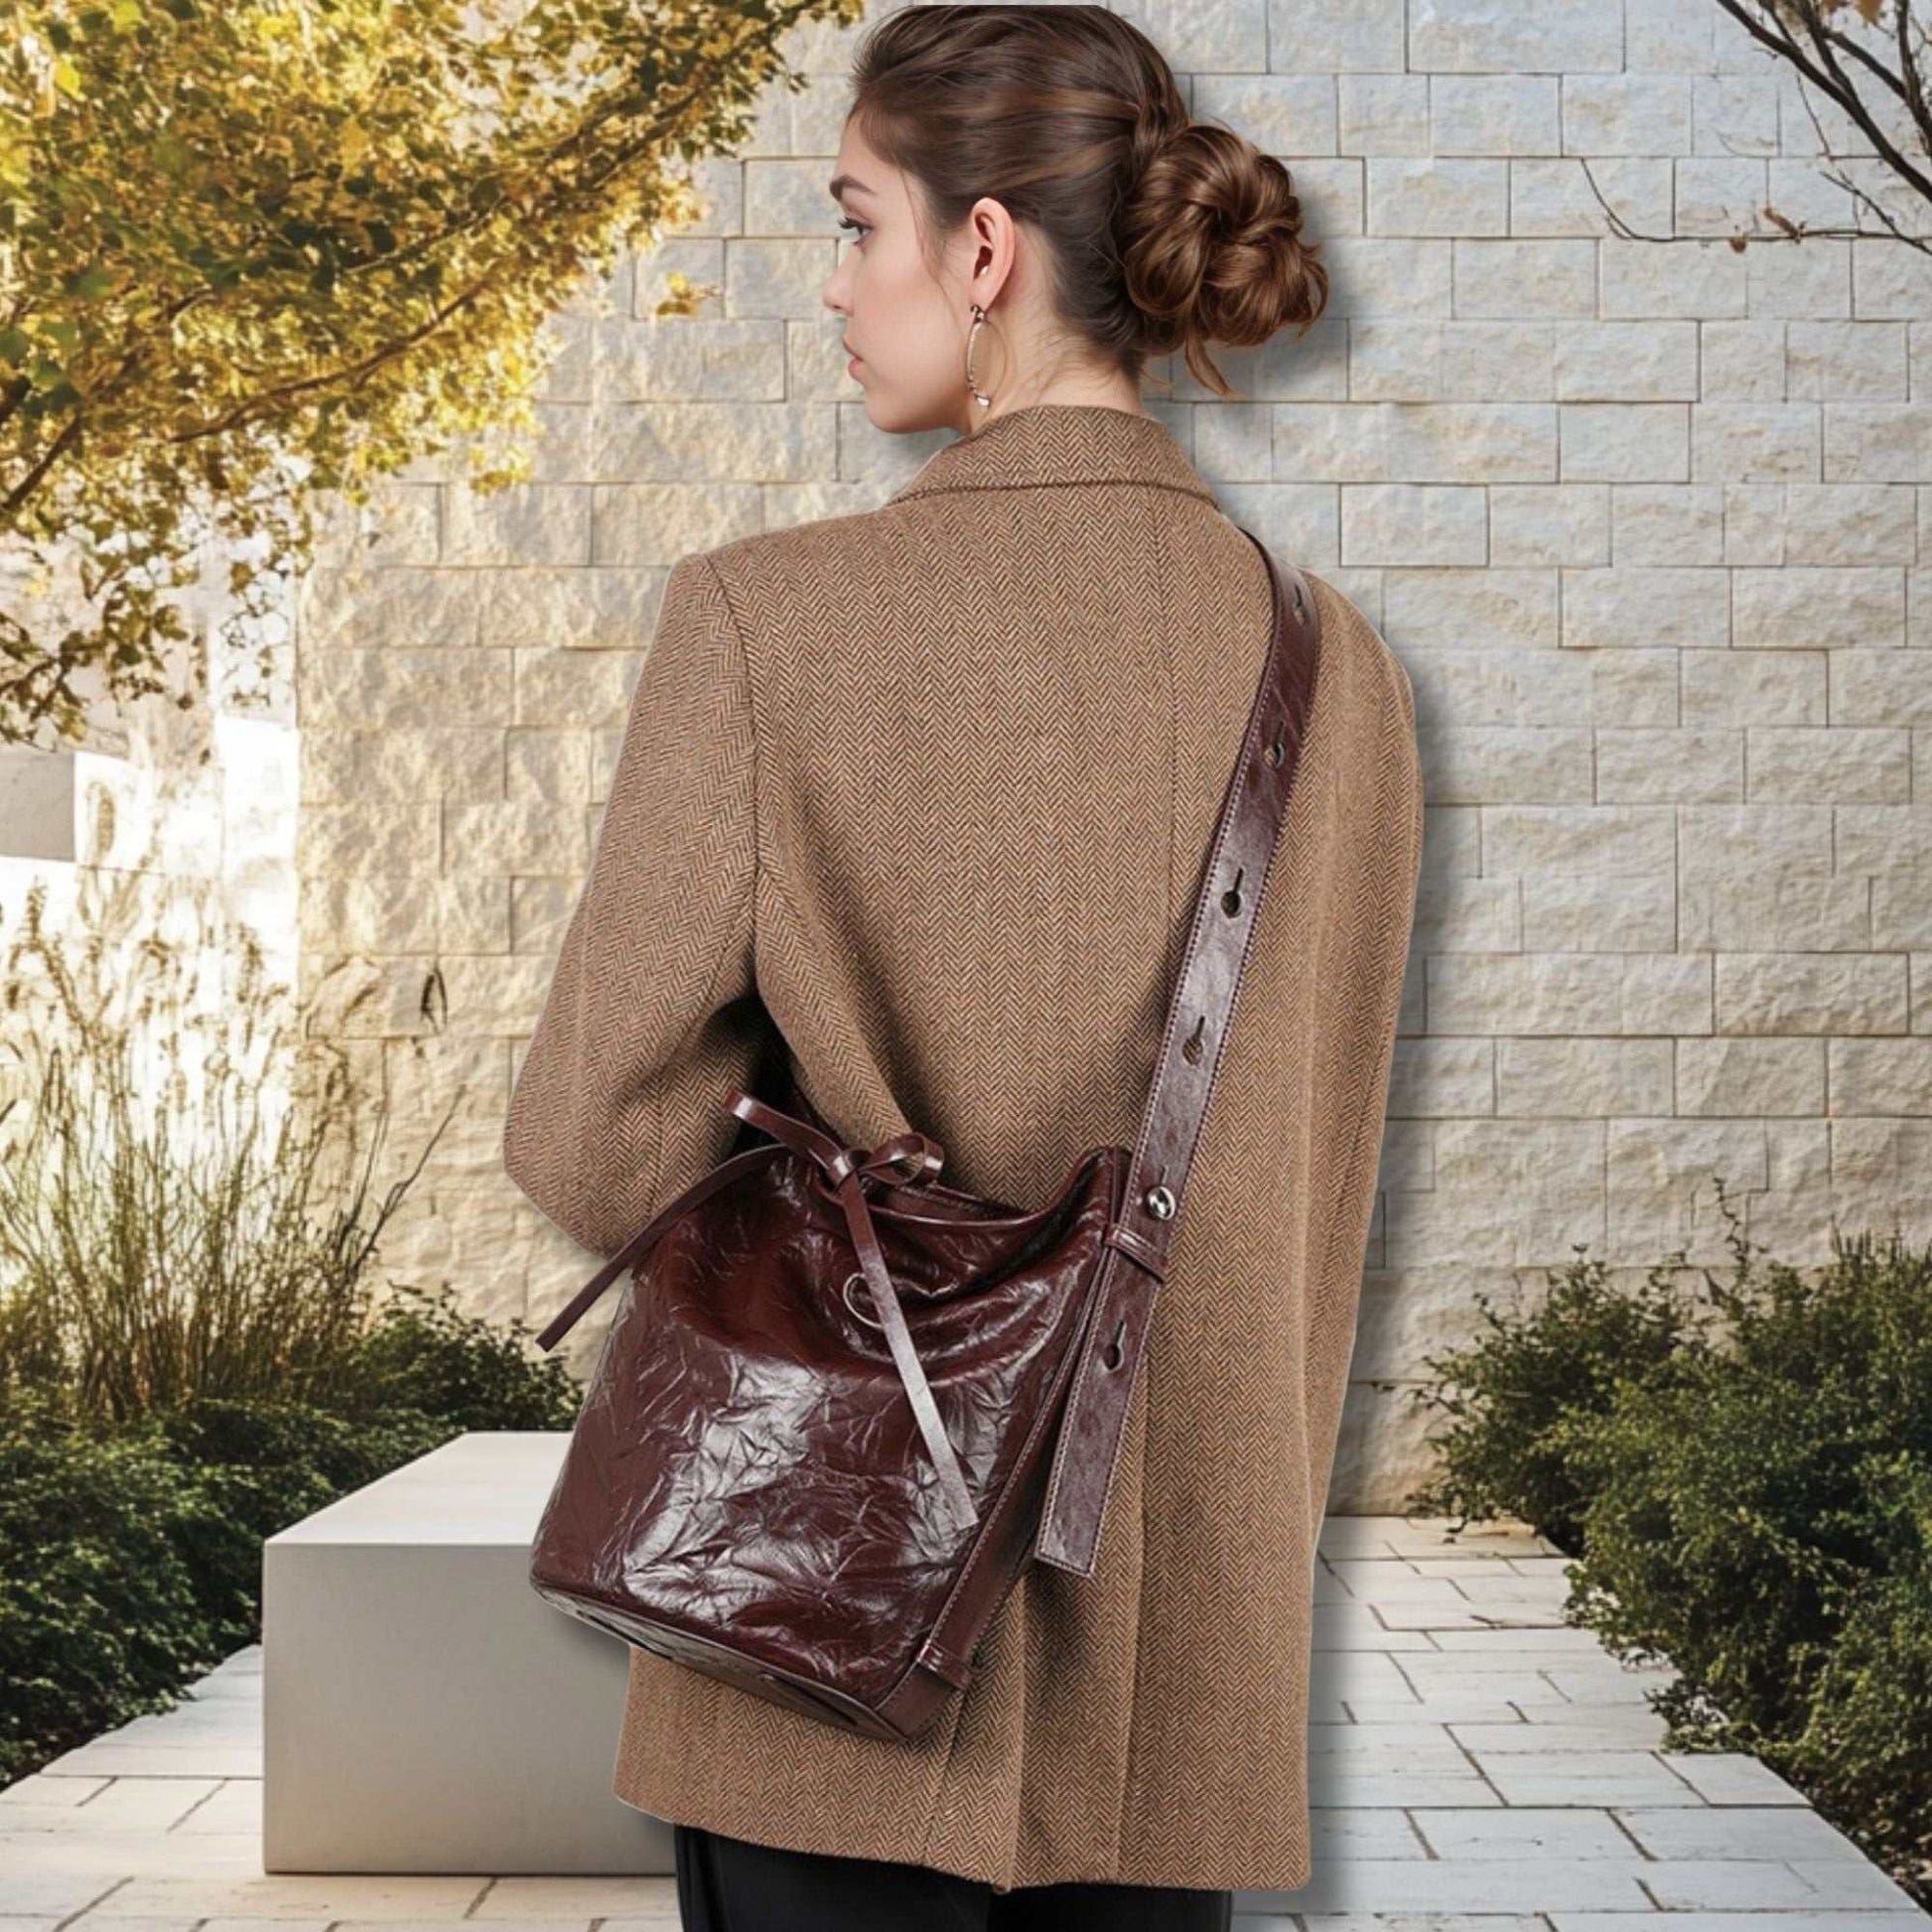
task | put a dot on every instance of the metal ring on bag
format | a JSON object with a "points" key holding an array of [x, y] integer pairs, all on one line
{"points": [[871, 1321]]}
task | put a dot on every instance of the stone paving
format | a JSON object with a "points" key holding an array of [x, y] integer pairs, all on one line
{"points": [[1478, 1767]]}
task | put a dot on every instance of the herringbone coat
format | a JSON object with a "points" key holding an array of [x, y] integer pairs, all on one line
{"points": [[929, 788]]}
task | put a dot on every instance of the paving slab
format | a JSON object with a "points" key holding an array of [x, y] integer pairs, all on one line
{"points": [[1477, 1768]]}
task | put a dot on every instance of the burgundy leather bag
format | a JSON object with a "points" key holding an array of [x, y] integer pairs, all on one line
{"points": [[841, 1404]]}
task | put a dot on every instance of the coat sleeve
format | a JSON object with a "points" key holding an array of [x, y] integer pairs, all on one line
{"points": [[1381, 917], [652, 1014]]}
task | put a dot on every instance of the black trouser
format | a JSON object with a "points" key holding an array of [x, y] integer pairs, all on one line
{"points": [[729, 1885]]}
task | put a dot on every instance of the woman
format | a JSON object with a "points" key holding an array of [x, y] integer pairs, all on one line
{"points": [[924, 793]]}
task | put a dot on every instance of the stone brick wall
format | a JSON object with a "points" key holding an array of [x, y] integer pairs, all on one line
{"points": [[1646, 520]]}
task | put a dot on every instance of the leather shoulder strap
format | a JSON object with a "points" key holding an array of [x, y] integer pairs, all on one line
{"points": [[1233, 879]]}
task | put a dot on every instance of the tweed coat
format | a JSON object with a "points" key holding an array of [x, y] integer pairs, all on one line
{"points": [[929, 788]]}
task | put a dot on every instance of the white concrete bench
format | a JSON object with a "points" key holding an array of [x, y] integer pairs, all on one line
{"points": [[423, 1709]]}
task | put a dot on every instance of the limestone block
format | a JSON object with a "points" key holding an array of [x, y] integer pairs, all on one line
{"points": [[1715, 194], [1667, 525], [1666, 993], [1525, 993], [1890, 281], [1754, 523], [1879, 1168], [514, 835], [1626, 113], [499, 996], [1727, 1074], [1289, 115], [1561, 195], [1794, 763], [574, 688], [403, 607], [1754, 442], [1508, 1194], [540, 909], [698, 258], [1811, 993], [400, 765], [1491, 36], [1452, 361], [1597, 913], [1437, 1078], [1381, 114], [1878, 443], [1627, 361], [1880, 1076], [368, 690], [660, 524], [1701, 280], [1812, 281], [1434, 196], [1661, 37], [1419, 523], [1635, 686], [815, 355], [1735, 113], [1575, 840], [701, 443], [1341, 35], [1375, 275], [1661, 1174], [1625, 442], [1548, 524], [534, 523], [704, 358], [1472, 609], [1881, 687], [473, 913], [1592, 1077], [1688, 765], [1689, 607], [1851, 523], [1501, 764], [1742, 360], [765, 279], [371, 912], [548, 764], [371, 836], [1755, 687], [1534, 277]]}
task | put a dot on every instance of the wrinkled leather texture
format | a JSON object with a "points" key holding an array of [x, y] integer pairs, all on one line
{"points": [[746, 1488], [745, 1460]]}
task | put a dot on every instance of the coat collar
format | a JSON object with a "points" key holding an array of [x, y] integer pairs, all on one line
{"points": [[1059, 443]]}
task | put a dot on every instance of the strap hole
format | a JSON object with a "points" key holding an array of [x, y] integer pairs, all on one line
{"points": [[1191, 1050]]}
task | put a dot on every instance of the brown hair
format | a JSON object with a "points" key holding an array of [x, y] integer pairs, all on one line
{"points": [[1163, 232]]}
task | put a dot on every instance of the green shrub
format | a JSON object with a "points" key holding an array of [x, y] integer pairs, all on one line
{"points": [[1745, 1482], [193, 1353], [101, 1610], [134, 1550], [1865, 1751], [187, 1193], [424, 1353], [1526, 1395]]}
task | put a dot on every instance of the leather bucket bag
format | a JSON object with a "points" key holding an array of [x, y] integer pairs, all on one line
{"points": [[841, 1405]]}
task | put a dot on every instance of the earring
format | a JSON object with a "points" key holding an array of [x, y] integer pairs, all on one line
{"points": [[972, 336]]}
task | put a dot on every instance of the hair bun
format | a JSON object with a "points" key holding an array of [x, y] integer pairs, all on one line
{"points": [[1211, 244]]}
